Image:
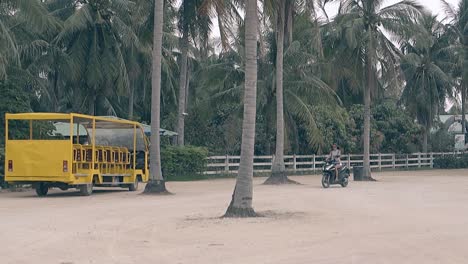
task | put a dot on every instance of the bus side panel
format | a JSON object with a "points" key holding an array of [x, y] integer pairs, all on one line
{"points": [[38, 158]]}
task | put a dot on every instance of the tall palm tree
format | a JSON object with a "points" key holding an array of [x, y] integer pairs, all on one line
{"points": [[33, 16], [94, 36], [195, 25], [458, 28], [361, 24], [241, 203], [156, 184], [283, 18], [426, 67], [192, 24], [278, 174]]}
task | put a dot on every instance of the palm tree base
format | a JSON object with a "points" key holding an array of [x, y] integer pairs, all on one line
{"points": [[368, 178], [156, 187], [235, 212], [278, 178]]}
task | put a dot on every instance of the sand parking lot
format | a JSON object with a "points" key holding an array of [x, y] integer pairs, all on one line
{"points": [[405, 217]]}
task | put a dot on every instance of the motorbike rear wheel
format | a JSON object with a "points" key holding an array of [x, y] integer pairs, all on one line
{"points": [[344, 182]]}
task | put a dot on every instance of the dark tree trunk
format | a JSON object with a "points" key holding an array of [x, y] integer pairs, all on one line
{"points": [[463, 102], [425, 139], [182, 89], [92, 104], [131, 101]]}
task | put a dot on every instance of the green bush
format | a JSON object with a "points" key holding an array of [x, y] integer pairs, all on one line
{"points": [[451, 162], [183, 163]]}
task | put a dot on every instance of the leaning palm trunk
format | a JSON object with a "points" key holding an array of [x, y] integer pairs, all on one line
{"points": [[156, 183], [278, 170], [241, 203], [182, 89]]}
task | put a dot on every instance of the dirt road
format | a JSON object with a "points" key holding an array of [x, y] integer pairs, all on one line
{"points": [[405, 217]]}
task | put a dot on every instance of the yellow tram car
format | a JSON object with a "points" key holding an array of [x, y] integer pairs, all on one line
{"points": [[56, 150]]}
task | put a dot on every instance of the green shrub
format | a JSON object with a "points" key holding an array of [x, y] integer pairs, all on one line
{"points": [[451, 162], [183, 163]]}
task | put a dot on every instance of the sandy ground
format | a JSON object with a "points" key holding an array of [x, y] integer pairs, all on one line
{"points": [[405, 217]]}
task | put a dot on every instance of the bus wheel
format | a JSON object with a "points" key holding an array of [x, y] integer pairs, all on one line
{"points": [[134, 186], [42, 189], [86, 189]]}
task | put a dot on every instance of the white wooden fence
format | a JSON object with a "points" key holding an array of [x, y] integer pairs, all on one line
{"points": [[313, 163]]}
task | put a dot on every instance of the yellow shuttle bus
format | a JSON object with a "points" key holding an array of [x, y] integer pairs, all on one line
{"points": [[78, 151]]}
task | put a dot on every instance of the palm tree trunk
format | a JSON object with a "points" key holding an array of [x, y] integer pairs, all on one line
{"points": [[463, 102], [278, 170], [92, 103], [241, 203], [367, 112], [56, 92], [156, 183], [425, 139], [182, 89], [131, 99]]}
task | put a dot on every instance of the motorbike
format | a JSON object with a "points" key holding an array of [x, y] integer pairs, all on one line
{"points": [[329, 174]]}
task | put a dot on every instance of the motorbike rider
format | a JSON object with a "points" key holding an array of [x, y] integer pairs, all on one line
{"points": [[334, 157]]}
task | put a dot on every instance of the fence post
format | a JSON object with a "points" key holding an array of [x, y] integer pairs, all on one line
{"points": [[393, 161], [226, 164], [406, 162], [432, 160], [272, 161], [294, 163], [313, 163], [419, 160], [380, 162]]}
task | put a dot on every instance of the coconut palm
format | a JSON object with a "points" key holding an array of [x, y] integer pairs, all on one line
{"points": [[33, 16], [156, 183], [193, 25], [360, 24], [426, 67], [94, 37], [241, 203], [278, 175], [458, 29]]}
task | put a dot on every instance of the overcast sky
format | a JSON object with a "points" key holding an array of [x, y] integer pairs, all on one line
{"points": [[434, 5]]}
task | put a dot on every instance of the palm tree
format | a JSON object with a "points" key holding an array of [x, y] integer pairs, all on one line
{"points": [[283, 19], [221, 80], [360, 24], [426, 68], [95, 36], [192, 24], [278, 173], [30, 14], [458, 29], [156, 184], [195, 24], [241, 203]]}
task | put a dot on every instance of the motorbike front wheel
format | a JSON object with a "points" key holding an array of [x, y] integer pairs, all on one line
{"points": [[326, 180]]}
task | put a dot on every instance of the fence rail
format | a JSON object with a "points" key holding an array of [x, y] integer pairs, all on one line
{"points": [[313, 163]]}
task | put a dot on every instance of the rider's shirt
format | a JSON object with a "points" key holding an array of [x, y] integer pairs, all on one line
{"points": [[335, 155]]}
